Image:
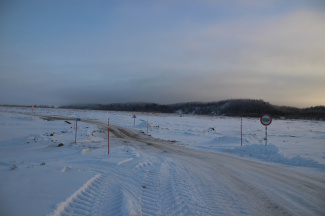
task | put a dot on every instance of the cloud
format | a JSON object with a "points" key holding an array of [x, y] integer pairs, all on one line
{"points": [[300, 90], [275, 57], [292, 43]]}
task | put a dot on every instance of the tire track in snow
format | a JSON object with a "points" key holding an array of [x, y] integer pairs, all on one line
{"points": [[167, 190], [150, 198], [80, 201], [96, 197], [182, 195], [175, 190], [109, 202], [218, 197]]}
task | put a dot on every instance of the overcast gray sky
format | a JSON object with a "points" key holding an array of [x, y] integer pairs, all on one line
{"points": [[58, 52]]}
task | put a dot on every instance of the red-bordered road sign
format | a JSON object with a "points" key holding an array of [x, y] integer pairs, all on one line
{"points": [[266, 120]]}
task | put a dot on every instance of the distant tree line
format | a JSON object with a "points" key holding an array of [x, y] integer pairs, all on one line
{"points": [[35, 106], [235, 107], [43, 106]]}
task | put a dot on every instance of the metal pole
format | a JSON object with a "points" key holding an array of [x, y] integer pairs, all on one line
{"points": [[265, 135], [241, 132], [75, 135], [108, 137]]}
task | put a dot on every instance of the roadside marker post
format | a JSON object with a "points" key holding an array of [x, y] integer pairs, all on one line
{"points": [[108, 137], [33, 111], [134, 116], [147, 127], [76, 131], [266, 120], [241, 132]]}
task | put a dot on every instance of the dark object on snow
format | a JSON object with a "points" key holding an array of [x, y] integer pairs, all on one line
{"points": [[67, 122], [52, 134], [14, 166], [43, 163], [61, 144], [144, 186]]}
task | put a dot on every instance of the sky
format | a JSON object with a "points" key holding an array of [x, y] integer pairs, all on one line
{"points": [[59, 52]]}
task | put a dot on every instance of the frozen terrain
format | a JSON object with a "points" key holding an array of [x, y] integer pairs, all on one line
{"points": [[189, 165]]}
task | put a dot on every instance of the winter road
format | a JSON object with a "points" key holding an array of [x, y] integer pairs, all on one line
{"points": [[176, 180]]}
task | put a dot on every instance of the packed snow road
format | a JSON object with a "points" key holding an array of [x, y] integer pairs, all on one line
{"points": [[180, 181]]}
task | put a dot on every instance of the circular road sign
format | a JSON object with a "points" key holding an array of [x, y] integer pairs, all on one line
{"points": [[266, 120]]}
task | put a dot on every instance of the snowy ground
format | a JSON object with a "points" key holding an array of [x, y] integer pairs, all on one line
{"points": [[181, 173]]}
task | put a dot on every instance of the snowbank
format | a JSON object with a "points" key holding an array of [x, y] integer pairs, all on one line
{"points": [[270, 153]]}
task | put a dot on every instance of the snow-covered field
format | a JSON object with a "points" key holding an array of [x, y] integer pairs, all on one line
{"points": [[180, 173]]}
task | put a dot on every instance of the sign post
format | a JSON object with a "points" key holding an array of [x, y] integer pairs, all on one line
{"points": [[134, 118], [75, 136], [266, 120], [108, 137]]}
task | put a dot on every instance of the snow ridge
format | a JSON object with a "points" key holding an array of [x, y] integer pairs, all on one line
{"points": [[61, 207], [124, 161]]}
